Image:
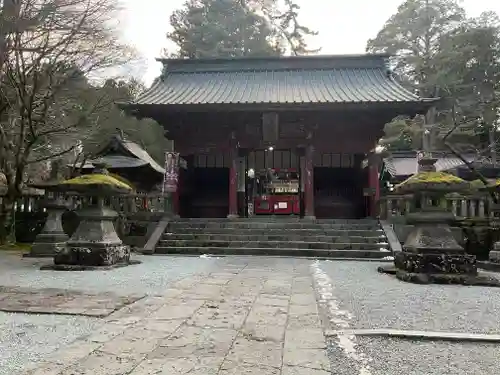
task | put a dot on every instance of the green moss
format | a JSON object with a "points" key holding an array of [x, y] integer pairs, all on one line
{"points": [[97, 179], [433, 177], [22, 247], [477, 184], [122, 179], [432, 181]]}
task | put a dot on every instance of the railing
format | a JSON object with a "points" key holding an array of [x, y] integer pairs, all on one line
{"points": [[464, 207], [126, 204]]}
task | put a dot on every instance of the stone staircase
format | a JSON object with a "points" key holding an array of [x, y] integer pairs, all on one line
{"points": [[362, 238]]}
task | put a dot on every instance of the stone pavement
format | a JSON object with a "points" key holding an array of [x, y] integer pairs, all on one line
{"points": [[61, 301], [239, 320]]}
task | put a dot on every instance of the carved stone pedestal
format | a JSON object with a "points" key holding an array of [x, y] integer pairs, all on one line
{"points": [[493, 262], [52, 238], [431, 254], [95, 244]]}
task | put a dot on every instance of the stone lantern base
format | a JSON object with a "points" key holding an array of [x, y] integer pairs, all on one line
{"points": [[52, 238], [94, 245], [431, 254]]}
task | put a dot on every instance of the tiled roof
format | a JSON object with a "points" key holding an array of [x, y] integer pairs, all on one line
{"points": [[291, 80], [407, 165], [115, 161], [142, 154]]}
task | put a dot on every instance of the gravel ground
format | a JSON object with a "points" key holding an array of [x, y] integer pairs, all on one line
{"points": [[373, 300], [150, 277], [381, 301], [401, 357], [28, 338]]}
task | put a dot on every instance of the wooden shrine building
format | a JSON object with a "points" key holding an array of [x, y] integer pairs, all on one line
{"points": [[240, 122], [128, 160]]}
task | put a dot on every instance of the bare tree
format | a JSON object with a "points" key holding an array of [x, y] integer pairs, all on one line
{"points": [[45, 95]]}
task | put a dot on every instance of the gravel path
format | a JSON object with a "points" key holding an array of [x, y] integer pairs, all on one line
{"points": [[380, 301], [150, 277], [398, 357], [366, 299], [29, 338]]}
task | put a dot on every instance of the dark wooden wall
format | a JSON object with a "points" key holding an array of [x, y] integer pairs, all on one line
{"points": [[279, 159], [338, 138], [208, 133]]}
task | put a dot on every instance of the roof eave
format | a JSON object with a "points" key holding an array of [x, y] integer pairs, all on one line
{"points": [[201, 107], [273, 58]]}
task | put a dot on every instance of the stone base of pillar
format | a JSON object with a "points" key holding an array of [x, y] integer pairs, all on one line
{"points": [[94, 245], [431, 255], [440, 278], [52, 238], [233, 216], [309, 217], [494, 255], [47, 245], [436, 263], [493, 262]]}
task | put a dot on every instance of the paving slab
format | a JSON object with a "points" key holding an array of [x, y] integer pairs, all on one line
{"points": [[61, 302]]}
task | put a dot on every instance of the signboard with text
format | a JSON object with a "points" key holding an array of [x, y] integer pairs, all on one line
{"points": [[171, 176]]}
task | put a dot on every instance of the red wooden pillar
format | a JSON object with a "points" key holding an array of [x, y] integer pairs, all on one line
{"points": [[309, 183], [233, 179]]}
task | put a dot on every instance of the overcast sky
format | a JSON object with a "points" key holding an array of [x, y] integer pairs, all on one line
{"points": [[344, 26]]}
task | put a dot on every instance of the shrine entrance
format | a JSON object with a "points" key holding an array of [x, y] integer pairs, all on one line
{"points": [[339, 181], [206, 187], [272, 183]]}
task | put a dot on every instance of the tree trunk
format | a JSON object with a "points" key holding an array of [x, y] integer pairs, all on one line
{"points": [[492, 145], [7, 219]]}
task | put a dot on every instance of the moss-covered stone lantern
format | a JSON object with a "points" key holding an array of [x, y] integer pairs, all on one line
{"points": [[494, 254], [95, 243], [431, 254]]}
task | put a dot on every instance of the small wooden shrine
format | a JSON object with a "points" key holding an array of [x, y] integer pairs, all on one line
{"points": [[128, 160]]}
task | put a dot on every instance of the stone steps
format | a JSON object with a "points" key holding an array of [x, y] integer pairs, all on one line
{"points": [[277, 219], [270, 225], [276, 236], [252, 237], [272, 244], [374, 232], [348, 254]]}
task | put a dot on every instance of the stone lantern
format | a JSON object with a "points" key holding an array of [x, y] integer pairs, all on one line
{"points": [[431, 254], [52, 238], [95, 243], [494, 254]]}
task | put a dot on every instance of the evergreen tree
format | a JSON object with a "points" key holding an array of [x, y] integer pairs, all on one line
{"points": [[232, 28]]}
